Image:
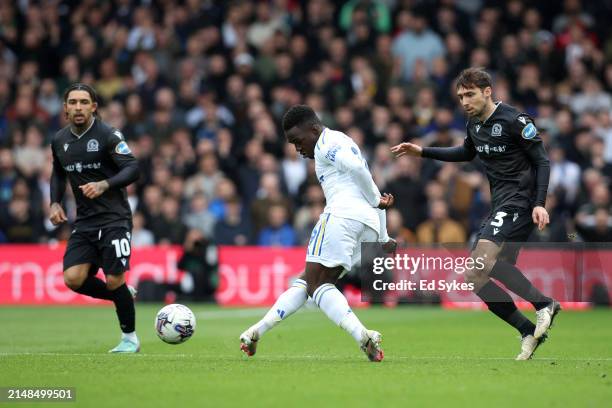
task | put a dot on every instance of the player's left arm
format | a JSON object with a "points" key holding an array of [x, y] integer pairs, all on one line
{"points": [[348, 158], [531, 142], [122, 156]]}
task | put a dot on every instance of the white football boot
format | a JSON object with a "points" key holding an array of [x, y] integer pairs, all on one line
{"points": [[529, 345], [370, 344], [545, 317], [248, 341]]}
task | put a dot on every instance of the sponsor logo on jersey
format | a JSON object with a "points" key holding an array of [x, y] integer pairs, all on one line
{"points": [[118, 134], [497, 130], [355, 151], [529, 131], [495, 231], [522, 119], [66, 146], [122, 148], [477, 127], [488, 149], [331, 153], [80, 166], [515, 217], [92, 145]]}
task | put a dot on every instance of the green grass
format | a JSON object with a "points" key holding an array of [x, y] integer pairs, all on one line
{"points": [[433, 357]]}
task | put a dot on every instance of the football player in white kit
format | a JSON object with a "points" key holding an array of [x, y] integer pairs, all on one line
{"points": [[354, 213]]}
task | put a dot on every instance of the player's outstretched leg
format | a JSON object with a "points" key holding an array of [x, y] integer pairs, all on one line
{"points": [[333, 303], [546, 308], [123, 298], [498, 300], [287, 303]]}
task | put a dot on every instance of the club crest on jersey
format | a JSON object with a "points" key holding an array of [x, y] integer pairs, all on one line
{"points": [[497, 130], [529, 131], [66, 146], [92, 145], [122, 148]]}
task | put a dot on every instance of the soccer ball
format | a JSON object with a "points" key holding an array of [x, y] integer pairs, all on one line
{"points": [[175, 323]]}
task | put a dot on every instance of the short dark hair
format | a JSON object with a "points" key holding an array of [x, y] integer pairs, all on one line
{"points": [[473, 77], [298, 115], [78, 86]]}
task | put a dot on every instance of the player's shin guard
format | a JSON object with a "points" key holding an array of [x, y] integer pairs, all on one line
{"points": [[124, 305], [333, 303], [95, 288], [514, 280], [500, 303], [289, 302]]}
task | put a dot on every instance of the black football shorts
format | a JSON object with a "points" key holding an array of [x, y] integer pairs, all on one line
{"points": [[508, 228], [109, 248]]}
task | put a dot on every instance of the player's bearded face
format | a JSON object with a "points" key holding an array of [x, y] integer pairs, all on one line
{"points": [[473, 100], [79, 107]]}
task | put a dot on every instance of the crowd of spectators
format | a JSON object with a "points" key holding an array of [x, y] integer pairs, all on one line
{"points": [[198, 88]]}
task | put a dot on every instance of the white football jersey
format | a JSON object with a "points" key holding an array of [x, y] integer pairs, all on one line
{"points": [[335, 152]]}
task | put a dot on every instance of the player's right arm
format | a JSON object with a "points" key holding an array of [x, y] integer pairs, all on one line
{"points": [[462, 153], [58, 187]]}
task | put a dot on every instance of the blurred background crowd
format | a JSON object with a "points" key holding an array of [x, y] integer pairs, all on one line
{"points": [[199, 87]]}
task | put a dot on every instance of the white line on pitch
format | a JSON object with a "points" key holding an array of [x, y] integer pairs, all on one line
{"points": [[309, 357]]}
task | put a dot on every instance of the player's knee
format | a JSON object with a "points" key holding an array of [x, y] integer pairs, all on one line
{"points": [[478, 274], [113, 282], [474, 276], [73, 280]]}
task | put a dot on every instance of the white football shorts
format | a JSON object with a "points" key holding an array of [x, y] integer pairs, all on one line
{"points": [[336, 241]]}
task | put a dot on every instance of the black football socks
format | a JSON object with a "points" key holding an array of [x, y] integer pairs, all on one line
{"points": [[500, 303], [514, 280], [124, 304], [95, 288]]}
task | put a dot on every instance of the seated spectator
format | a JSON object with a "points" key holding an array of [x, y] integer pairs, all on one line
{"points": [[18, 225], [233, 229], [440, 228], [278, 232], [198, 217], [597, 228], [396, 229], [169, 229], [141, 236]]}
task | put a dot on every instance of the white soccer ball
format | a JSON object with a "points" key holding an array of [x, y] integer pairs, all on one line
{"points": [[175, 323]]}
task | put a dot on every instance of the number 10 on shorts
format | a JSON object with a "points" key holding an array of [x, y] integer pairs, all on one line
{"points": [[122, 247]]}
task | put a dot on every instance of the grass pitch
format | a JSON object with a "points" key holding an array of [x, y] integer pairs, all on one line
{"points": [[433, 357]]}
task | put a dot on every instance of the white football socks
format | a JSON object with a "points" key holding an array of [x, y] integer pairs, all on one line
{"points": [[130, 336], [287, 303], [333, 303]]}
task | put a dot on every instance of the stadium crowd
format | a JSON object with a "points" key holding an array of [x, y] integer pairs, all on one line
{"points": [[198, 88]]}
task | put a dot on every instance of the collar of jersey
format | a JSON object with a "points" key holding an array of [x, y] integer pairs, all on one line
{"points": [[86, 130], [494, 109]]}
